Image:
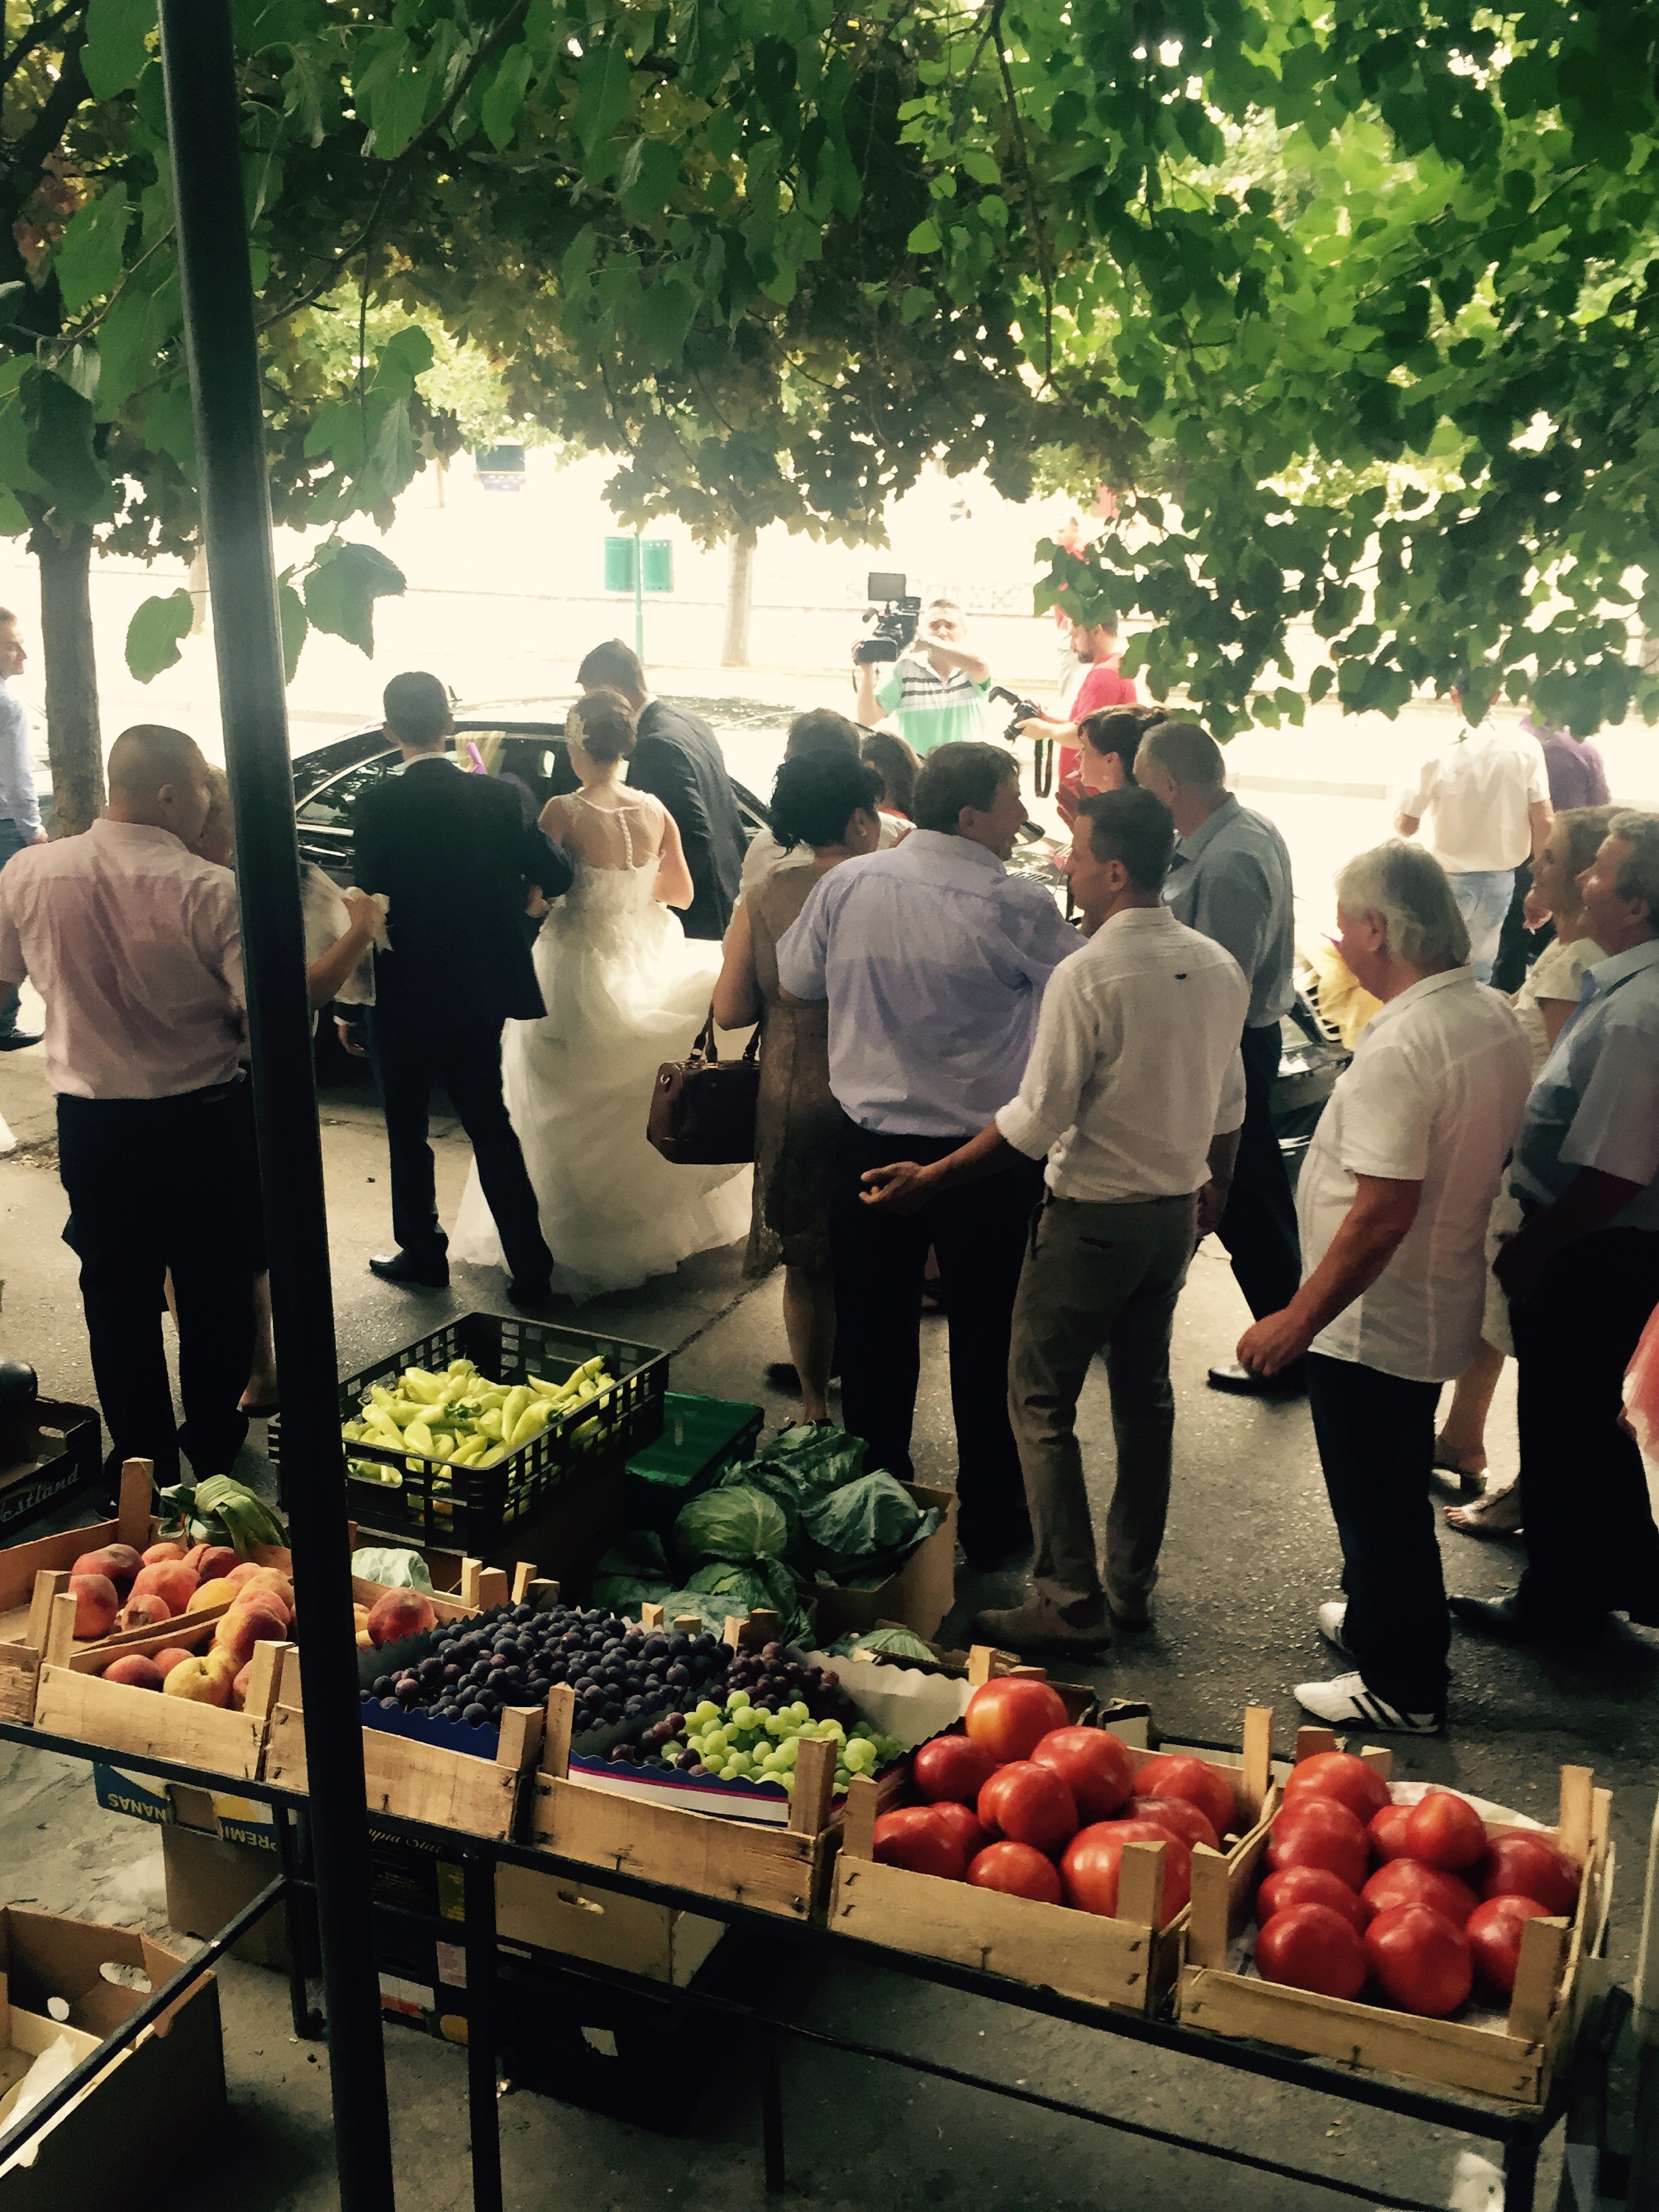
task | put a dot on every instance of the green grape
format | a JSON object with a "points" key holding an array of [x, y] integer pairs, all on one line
{"points": [[739, 1762], [800, 1711], [716, 1740], [708, 1711], [737, 1701]]}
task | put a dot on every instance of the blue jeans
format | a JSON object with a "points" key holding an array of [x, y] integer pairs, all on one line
{"points": [[12, 839], [1483, 897]]}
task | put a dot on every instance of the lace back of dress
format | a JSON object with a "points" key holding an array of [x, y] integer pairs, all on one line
{"points": [[608, 834]]}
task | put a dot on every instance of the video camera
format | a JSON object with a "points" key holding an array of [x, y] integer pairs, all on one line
{"points": [[1043, 760], [893, 621]]}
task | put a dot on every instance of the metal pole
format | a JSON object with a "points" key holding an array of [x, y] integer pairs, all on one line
{"points": [[483, 2034], [1643, 2193], [638, 591], [203, 133]]}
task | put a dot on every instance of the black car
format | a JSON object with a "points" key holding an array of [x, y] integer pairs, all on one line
{"points": [[328, 783]]}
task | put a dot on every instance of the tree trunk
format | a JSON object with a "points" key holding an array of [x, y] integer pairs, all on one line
{"points": [[739, 597], [74, 741]]}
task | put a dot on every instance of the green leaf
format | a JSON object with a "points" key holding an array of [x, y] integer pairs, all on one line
{"points": [[116, 47], [499, 109], [60, 451], [978, 166], [156, 633], [606, 78], [406, 354], [924, 239], [291, 613], [663, 316], [88, 261], [656, 166], [341, 591]]}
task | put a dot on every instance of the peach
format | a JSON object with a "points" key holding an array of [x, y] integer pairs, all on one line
{"points": [[173, 1655], [146, 1611], [214, 1593], [169, 1578], [249, 1623], [164, 1554], [95, 1604], [240, 1574], [273, 1579], [400, 1612], [118, 1561], [134, 1671], [365, 1640], [212, 1561], [238, 1688], [195, 1680]]}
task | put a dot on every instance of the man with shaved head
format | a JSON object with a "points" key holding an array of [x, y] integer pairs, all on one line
{"points": [[136, 946]]}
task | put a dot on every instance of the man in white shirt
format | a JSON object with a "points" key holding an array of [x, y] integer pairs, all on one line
{"points": [[1393, 1200], [1135, 1091], [136, 946], [1486, 799]]}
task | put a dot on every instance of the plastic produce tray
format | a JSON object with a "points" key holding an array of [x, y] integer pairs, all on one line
{"points": [[472, 1508]]}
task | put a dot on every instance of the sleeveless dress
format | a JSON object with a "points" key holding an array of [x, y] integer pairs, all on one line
{"points": [[796, 1118], [625, 989]]}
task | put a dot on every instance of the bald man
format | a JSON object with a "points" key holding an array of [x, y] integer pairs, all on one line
{"points": [[136, 946]]}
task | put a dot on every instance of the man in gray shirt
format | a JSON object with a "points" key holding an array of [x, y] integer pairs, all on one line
{"points": [[19, 809], [1230, 881]]}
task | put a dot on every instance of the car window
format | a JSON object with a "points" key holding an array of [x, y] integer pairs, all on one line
{"points": [[330, 805]]}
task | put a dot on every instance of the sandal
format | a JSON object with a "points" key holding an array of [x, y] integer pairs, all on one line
{"points": [[1469, 1479], [1496, 1512]]}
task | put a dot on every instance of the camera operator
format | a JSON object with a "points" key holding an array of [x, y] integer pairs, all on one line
{"points": [[1097, 646], [935, 690]]}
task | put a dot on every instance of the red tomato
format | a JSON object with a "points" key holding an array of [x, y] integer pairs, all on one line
{"points": [[1319, 1833], [1408, 1882], [1338, 1774], [962, 1822], [913, 1839], [1178, 1775], [951, 1767], [1178, 1815], [1094, 1764], [1494, 1937], [1312, 1946], [1089, 1867], [1308, 1885], [1029, 1804], [1421, 1962], [1019, 1870], [1011, 1715], [1519, 1865], [1386, 1834], [1445, 1831]]}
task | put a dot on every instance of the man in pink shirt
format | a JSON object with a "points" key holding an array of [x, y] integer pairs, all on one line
{"points": [[136, 946], [1096, 645]]}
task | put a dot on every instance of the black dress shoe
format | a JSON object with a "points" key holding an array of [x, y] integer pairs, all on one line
{"points": [[1512, 1622], [412, 1273], [530, 1291], [19, 1040], [1290, 1381]]}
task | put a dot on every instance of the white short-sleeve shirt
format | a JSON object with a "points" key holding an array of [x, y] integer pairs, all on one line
{"points": [[1473, 798], [1434, 1095]]}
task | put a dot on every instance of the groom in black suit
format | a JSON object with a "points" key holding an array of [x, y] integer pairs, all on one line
{"points": [[458, 860]]}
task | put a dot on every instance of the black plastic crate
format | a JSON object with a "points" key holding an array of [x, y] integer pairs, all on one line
{"points": [[474, 1508], [34, 1479]]}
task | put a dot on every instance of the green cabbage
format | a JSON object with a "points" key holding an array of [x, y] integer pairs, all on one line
{"points": [[633, 1573], [735, 1523], [395, 1569], [894, 1642], [860, 1526]]}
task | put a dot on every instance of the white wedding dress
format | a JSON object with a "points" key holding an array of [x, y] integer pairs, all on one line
{"points": [[625, 989]]}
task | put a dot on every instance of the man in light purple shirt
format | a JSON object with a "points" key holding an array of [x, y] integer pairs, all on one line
{"points": [[1578, 773], [933, 959], [20, 808]]}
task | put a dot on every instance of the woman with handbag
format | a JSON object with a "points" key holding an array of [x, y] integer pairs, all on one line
{"points": [[828, 802]]}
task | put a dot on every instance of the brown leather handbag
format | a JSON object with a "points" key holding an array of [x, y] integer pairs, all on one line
{"points": [[702, 1110]]}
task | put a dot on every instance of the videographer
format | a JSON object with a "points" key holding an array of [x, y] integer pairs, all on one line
{"points": [[935, 690], [1096, 645]]}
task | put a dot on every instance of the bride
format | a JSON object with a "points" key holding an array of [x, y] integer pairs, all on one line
{"points": [[625, 989]]}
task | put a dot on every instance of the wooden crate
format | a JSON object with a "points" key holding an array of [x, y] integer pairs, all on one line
{"points": [[784, 1871], [419, 1781], [33, 1575], [73, 1700], [1128, 1962], [1517, 2062]]}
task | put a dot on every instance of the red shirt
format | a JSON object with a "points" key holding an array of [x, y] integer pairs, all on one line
{"points": [[1102, 686]]}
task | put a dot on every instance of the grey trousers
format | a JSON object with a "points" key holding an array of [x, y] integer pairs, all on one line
{"points": [[1098, 1277]]}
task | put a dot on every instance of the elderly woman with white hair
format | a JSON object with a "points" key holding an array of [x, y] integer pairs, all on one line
{"points": [[1392, 1203]]}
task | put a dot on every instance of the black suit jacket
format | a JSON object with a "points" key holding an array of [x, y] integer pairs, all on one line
{"points": [[678, 758], [455, 855]]}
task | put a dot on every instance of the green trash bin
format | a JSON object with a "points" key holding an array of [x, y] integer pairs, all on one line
{"points": [[700, 1437]]}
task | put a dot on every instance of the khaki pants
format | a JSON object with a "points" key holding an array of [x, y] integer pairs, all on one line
{"points": [[1098, 1277]]}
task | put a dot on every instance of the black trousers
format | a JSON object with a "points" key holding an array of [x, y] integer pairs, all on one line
{"points": [[412, 1051], [980, 1234], [153, 1184], [1259, 1226], [1592, 1545], [1375, 1437]]}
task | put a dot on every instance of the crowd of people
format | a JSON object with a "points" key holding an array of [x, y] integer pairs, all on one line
{"points": [[966, 1097]]}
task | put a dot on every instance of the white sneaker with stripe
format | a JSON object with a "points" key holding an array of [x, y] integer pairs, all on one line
{"points": [[1346, 1703]]}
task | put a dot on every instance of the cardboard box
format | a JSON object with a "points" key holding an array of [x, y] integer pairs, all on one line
{"points": [[49, 1450], [917, 1597], [1513, 2056], [1128, 1962], [156, 2100]]}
